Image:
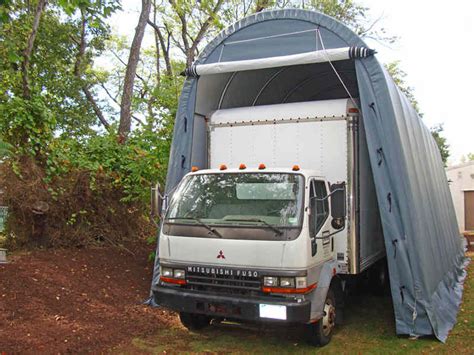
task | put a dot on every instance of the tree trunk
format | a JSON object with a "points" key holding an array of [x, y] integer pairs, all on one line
{"points": [[157, 45], [25, 65], [202, 32], [78, 69], [125, 107]]}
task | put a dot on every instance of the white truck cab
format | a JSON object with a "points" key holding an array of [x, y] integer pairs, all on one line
{"points": [[257, 218]]}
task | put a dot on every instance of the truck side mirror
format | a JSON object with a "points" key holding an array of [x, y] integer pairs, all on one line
{"points": [[338, 204], [156, 200]]}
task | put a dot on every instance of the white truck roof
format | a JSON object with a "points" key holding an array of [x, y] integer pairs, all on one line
{"points": [[291, 111]]}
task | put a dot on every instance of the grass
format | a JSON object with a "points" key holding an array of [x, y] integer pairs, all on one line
{"points": [[369, 329]]}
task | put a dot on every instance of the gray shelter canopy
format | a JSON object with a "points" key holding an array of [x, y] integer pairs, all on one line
{"points": [[424, 250]]}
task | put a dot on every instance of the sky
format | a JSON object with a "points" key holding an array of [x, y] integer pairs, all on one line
{"points": [[435, 49]]}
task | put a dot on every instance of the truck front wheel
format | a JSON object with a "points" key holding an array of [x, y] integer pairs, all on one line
{"points": [[320, 333], [194, 321]]}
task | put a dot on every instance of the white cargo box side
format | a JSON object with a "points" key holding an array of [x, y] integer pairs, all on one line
{"points": [[312, 135]]}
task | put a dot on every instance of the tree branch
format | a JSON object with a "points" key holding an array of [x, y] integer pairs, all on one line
{"points": [[109, 94], [78, 74], [203, 30], [125, 64], [164, 47], [184, 31], [157, 45], [95, 107], [25, 65]]}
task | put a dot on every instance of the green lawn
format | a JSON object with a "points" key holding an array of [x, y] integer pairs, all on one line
{"points": [[369, 329]]}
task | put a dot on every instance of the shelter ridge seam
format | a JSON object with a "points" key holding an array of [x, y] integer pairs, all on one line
{"points": [[274, 36]]}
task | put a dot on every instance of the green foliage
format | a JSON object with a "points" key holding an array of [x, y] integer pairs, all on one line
{"points": [[443, 146], [132, 167], [52, 67], [99, 9], [467, 158], [27, 125], [5, 149]]}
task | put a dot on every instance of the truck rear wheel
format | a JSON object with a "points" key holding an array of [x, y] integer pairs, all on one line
{"points": [[194, 321], [320, 333]]}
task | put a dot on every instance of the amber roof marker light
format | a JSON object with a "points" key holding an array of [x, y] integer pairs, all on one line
{"points": [[261, 166], [242, 166], [194, 169], [295, 168], [222, 167]]}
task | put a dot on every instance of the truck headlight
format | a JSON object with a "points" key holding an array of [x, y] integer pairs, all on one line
{"points": [[166, 272], [179, 274], [301, 282], [270, 281], [173, 276], [287, 285], [287, 282]]}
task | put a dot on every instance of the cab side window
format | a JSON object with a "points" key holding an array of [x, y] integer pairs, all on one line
{"points": [[319, 206]]}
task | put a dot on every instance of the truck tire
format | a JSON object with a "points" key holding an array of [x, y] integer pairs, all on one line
{"points": [[320, 333], [194, 321]]}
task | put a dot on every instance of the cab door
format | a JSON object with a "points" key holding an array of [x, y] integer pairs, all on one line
{"points": [[322, 243]]}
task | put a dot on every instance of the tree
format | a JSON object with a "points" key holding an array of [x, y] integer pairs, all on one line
{"points": [[441, 141], [50, 71], [467, 158], [125, 108], [25, 64], [399, 77]]}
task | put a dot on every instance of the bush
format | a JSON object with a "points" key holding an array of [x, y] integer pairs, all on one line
{"points": [[78, 208]]}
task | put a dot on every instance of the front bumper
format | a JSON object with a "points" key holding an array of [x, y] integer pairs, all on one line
{"points": [[228, 306]]}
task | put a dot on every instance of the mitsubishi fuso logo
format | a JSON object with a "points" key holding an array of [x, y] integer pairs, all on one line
{"points": [[220, 255]]}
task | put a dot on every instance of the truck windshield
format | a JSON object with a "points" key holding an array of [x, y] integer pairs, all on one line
{"points": [[258, 200]]}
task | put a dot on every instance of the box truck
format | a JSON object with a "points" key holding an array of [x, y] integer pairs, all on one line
{"points": [[297, 165], [284, 214]]}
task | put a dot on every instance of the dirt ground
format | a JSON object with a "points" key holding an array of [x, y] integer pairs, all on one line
{"points": [[86, 300], [90, 301]]}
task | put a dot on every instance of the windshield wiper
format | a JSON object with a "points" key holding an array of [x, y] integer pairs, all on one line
{"points": [[208, 227], [258, 220]]}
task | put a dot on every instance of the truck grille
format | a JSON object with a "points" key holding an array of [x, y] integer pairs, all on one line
{"points": [[231, 284]]}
